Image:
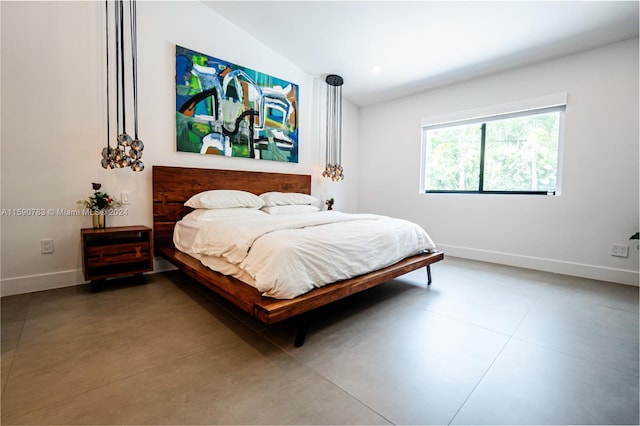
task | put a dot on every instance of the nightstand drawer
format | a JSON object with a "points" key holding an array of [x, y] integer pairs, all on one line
{"points": [[121, 253]]}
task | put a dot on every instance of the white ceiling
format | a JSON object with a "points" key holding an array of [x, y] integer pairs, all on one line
{"points": [[419, 45]]}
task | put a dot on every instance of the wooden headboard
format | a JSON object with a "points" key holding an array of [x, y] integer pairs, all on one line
{"points": [[172, 186]]}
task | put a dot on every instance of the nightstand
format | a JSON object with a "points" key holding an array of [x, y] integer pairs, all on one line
{"points": [[115, 252]]}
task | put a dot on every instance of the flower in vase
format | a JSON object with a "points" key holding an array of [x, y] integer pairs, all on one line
{"points": [[100, 200]]}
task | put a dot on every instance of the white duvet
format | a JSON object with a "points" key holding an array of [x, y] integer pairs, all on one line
{"points": [[286, 256]]}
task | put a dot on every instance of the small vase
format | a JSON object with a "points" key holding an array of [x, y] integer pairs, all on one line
{"points": [[99, 219]]}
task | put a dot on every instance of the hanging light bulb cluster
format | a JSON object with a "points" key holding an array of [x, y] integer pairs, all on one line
{"points": [[127, 150], [333, 168]]}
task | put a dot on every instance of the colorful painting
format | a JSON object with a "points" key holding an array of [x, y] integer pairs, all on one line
{"points": [[226, 109]]}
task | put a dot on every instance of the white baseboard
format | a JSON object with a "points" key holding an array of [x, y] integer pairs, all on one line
{"points": [[602, 273], [49, 281], [32, 283]]}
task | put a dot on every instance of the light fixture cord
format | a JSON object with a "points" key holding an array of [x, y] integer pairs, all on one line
{"points": [[134, 61], [336, 122], [106, 21], [116, 15], [122, 81], [335, 126], [339, 121], [328, 130]]}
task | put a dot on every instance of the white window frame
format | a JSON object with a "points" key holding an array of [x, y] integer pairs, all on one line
{"points": [[498, 112]]}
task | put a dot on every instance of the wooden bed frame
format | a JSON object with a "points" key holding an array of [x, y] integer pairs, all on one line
{"points": [[172, 186]]}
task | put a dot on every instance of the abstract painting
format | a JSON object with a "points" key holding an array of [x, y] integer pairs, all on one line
{"points": [[234, 111]]}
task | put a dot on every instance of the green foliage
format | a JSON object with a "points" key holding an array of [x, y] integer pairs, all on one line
{"points": [[453, 159], [100, 200], [520, 155]]}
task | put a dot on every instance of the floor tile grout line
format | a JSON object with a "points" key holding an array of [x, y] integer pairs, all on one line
{"points": [[542, 298], [292, 355], [514, 337], [572, 355], [302, 362], [480, 380], [15, 350], [364, 404], [495, 359], [263, 333], [432, 312]]}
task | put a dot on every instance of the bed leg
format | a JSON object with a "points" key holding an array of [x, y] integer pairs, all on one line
{"points": [[428, 274], [303, 329]]}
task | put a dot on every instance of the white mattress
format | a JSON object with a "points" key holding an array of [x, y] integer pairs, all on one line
{"points": [[183, 236], [286, 256]]}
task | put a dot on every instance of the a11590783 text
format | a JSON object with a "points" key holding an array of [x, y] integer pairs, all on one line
{"points": [[31, 212]]}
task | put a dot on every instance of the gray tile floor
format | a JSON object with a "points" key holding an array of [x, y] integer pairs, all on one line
{"points": [[485, 344]]}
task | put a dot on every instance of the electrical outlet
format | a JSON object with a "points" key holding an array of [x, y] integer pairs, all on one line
{"points": [[46, 246], [124, 198], [619, 250]]}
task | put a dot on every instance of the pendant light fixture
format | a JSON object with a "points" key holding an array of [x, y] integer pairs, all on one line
{"points": [[127, 151], [333, 168]]}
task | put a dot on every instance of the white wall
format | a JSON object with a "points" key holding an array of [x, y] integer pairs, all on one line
{"points": [[568, 234], [53, 123]]}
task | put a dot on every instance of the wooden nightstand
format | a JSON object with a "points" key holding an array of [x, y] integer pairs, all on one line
{"points": [[115, 252]]}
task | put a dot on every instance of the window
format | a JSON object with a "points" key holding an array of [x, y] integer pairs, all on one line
{"points": [[515, 153]]}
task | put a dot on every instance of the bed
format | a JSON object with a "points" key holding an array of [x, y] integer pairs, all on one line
{"points": [[172, 186]]}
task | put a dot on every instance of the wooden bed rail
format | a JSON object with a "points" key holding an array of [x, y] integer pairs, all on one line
{"points": [[270, 310]]}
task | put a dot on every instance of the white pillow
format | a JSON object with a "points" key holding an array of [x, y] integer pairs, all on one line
{"points": [[224, 199], [283, 210], [212, 214], [286, 198]]}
